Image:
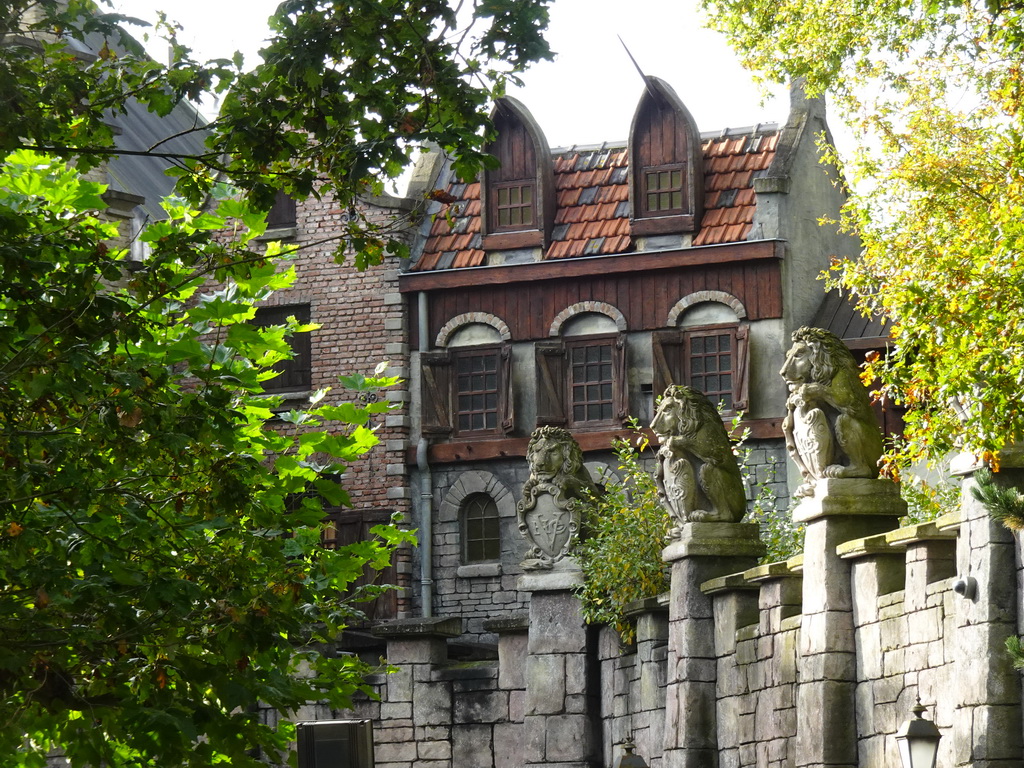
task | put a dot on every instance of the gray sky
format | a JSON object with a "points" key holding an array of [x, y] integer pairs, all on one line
{"points": [[588, 94]]}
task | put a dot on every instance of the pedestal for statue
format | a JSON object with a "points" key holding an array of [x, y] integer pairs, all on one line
{"points": [[702, 552], [986, 728], [557, 728], [839, 510]]}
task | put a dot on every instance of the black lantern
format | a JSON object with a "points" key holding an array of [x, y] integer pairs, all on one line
{"points": [[918, 740]]}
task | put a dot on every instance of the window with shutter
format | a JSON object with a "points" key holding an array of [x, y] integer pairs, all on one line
{"points": [[712, 359], [295, 374], [467, 391], [282, 213]]}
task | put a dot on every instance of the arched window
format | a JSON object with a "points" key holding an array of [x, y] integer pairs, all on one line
{"points": [[707, 351], [481, 530], [581, 374], [467, 385]]}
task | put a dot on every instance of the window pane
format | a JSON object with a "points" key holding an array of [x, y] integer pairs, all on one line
{"points": [[476, 386], [480, 529]]}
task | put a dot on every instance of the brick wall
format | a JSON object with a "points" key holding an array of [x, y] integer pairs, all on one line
{"points": [[362, 318]]}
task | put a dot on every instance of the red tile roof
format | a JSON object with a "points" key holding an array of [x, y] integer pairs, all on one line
{"points": [[592, 212]]}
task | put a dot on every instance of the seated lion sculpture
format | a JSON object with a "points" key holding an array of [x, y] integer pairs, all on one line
{"points": [[830, 427], [548, 514], [697, 475]]}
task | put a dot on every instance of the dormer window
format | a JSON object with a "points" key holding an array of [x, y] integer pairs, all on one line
{"points": [[518, 196], [663, 189], [513, 206], [666, 165]]}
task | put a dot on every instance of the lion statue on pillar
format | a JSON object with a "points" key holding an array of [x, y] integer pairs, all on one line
{"points": [[549, 512], [697, 476], [830, 427]]}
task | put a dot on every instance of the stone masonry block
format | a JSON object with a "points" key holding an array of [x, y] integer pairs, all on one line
{"points": [[545, 684], [434, 750], [569, 739], [481, 707], [472, 747], [431, 704], [996, 733], [556, 623], [508, 745]]}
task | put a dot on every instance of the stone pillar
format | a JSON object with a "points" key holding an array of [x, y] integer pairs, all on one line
{"points": [[839, 510], [704, 551], [416, 711], [512, 640], [558, 729], [987, 720]]}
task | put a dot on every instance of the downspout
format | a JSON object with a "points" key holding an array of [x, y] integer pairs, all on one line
{"points": [[426, 484]]}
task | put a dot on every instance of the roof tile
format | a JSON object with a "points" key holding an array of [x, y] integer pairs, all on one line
{"points": [[592, 203]]}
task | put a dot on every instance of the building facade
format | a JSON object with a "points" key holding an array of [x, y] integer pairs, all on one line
{"points": [[570, 286]]}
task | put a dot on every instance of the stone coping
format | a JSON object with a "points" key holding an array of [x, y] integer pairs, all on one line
{"points": [[436, 626], [851, 497], [1010, 457], [715, 540], [951, 521], [868, 546], [913, 534], [467, 670], [733, 582], [796, 564], [508, 624], [656, 604], [895, 542], [749, 632], [791, 623], [773, 571], [550, 581]]}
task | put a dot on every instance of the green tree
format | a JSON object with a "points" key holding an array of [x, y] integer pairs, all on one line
{"points": [[155, 580], [347, 94], [932, 91], [157, 576]]}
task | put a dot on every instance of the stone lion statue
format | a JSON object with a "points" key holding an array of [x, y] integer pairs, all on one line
{"points": [[697, 476], [548, 514], [830, 427]]}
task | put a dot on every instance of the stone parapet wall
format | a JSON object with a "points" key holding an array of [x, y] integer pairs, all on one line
{"points": [[898, 632]]}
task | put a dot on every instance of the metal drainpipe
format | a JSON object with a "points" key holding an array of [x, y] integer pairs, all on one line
{"points": [[426, 485]]}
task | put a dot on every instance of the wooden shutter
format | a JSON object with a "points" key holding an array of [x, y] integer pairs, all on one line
{"points": [[620, 374], [667, 349], [550, 383], [436, 393], [741, 374], [506, 404], [351, 527]]}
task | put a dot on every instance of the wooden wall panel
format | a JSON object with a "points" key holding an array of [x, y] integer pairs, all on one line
{"points": [[645, 299]]}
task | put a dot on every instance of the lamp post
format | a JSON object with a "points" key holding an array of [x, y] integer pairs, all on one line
{"points": [[628, 759], [918, 740]]}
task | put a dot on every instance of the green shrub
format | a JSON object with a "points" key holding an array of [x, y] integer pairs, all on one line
{"points": [[625, 530]]}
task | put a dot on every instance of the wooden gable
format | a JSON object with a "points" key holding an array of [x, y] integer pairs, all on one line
{"points": [[666, 164], [518, 197]]}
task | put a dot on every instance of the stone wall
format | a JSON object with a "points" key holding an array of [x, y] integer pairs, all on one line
{"points": [[816, 661]]}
